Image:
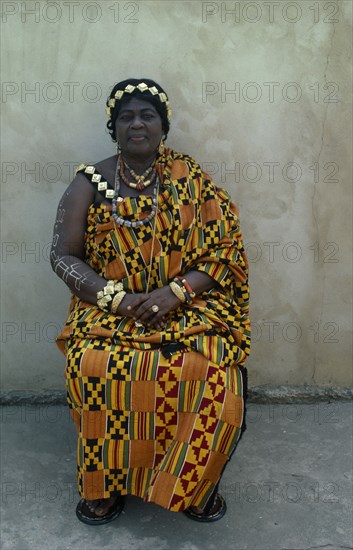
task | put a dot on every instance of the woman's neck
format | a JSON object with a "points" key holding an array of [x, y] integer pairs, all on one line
{"points": [[139, 165]]}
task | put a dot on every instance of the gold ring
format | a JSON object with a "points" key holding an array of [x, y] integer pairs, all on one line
{"points": [[155, 308]]}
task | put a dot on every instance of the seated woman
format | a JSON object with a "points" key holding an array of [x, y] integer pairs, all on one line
{"points": [[158, 328]]}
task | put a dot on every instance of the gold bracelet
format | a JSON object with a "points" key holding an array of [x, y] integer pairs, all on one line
{"points": [[176, 289], [118, 298], [105, 295]]}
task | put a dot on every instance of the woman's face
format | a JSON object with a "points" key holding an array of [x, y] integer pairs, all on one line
{"points": [[138, 128]]}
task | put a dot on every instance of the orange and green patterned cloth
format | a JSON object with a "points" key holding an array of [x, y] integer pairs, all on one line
{"points": [[159, 413]]}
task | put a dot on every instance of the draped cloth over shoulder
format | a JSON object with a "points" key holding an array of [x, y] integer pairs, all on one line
{"points": [[159, 413]]}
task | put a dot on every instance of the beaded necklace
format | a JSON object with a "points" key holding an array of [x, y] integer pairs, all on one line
{"points": [[140, 181], [118, 219]]}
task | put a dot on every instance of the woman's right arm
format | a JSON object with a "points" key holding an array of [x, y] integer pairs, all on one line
{"points": [[68, 248], [67, 252]]}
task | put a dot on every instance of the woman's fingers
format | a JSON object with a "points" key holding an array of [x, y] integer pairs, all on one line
{"points": [[150, 318], [158, 322], [135, 303], [144, 311]]}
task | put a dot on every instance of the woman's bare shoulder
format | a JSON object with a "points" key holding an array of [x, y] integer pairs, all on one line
{"points": [[106, 164]]}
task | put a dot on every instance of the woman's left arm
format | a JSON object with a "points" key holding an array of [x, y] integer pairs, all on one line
{"points": [[221, 261], [199, 282]]}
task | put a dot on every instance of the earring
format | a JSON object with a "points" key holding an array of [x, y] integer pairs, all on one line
{"points": [[118, 148], [161, 147]]}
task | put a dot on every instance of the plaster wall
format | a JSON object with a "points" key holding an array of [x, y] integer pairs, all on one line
{"points": [[260, 97]]}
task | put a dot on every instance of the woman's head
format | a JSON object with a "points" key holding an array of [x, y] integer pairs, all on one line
{"points": [[142, 89]]}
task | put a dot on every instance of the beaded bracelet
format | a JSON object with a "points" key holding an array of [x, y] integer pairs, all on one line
{"points": [[187, 296], [188, 287], [106, 295]]}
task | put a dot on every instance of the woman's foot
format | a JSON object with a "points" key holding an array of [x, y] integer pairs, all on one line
{"points": [[100, 511], [208, 514], [100, 506]]}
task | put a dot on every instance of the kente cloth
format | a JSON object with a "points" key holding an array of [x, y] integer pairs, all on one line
{"points": [[159, 413]]}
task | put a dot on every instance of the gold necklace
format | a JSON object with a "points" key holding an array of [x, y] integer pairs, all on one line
{"points": [[140, 181], [143, 176], [140, 178]]}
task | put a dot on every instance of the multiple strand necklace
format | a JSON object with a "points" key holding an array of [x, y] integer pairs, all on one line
{"points": [[140, 184]]}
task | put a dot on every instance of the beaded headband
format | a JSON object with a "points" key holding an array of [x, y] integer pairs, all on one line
{"points": [[142, 87]]}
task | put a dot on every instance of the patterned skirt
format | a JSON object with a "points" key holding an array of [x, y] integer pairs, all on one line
{"points": [[160, 428]]}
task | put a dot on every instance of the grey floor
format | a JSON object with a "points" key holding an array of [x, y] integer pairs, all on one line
{"points": [[288, 486]]}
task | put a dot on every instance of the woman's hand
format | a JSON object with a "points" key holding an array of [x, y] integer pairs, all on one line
{"points": [[129, 302], [162, 297]]}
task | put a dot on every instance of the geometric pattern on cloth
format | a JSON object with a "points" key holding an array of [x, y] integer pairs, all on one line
{"points": [[165, 439]]}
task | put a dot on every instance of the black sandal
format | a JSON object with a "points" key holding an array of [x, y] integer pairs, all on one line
{"points": [[213, 511], [85, 515]]}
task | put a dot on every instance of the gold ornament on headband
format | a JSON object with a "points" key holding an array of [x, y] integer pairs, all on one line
{"points": [[142, 87]]}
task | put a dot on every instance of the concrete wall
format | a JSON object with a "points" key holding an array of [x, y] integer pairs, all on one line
{"points": [[280, 142]]}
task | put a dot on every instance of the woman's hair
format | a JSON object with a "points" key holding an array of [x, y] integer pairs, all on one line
{"points": [[160, 106]]}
